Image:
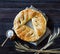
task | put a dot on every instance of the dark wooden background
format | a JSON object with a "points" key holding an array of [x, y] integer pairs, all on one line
{"points": [[9, 9]]}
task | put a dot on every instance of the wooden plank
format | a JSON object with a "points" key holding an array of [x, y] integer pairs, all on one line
{"points": [[8, 14], [16, 10], [31, 1], [55, 19], [4, 27], [24, 5]]}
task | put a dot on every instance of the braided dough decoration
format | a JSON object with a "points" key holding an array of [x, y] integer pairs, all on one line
{"points": [[26, 33]]}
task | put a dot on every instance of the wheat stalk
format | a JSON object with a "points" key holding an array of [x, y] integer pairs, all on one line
{"points": [[21, 48], [52, 38]]}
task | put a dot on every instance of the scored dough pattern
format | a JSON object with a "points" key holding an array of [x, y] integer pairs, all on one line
{"points": [[23, 31]]}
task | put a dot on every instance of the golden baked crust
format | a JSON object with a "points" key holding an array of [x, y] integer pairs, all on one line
{"points": [[23, 31]]}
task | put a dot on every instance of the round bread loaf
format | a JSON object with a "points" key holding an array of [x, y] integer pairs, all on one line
{"points": [[25, 32]]}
